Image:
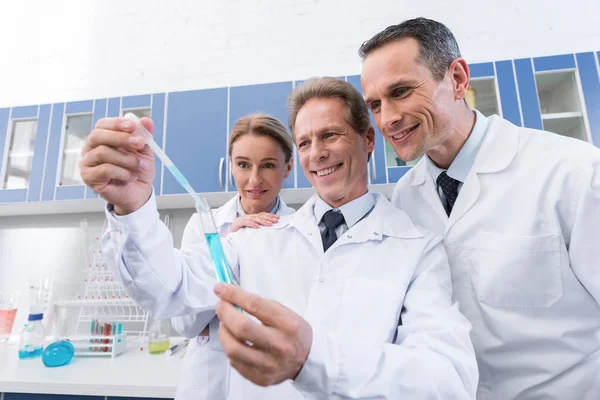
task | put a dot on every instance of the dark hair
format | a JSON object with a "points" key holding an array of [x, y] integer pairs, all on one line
{"points": [[437, 45], [357, 114], [263, 125]]}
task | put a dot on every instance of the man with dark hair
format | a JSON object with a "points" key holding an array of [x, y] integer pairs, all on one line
{"points": [[519, 210]]}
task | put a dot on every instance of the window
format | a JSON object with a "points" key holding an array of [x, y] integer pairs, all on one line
{"points": [[482, 96], [139, 112], [77, 129], [20, 154], [560, 103]]}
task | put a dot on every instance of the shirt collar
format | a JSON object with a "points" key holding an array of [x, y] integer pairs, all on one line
{"points": [[241, 212], [462, 164], [353, 211]]}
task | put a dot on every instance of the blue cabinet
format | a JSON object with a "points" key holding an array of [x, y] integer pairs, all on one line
{"points": [[196, 139], [270, 98], [559, 93], [30, 154]]}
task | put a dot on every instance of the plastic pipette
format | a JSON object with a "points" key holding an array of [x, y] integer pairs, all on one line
{"points": [[204, 215], [140, 130]]}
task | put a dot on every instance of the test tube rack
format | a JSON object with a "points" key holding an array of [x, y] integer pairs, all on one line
{"points": [[99, 346], [104, 299]]}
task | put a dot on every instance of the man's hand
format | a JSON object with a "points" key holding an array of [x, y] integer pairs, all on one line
{"points": [[117, 164], [267, 353]]}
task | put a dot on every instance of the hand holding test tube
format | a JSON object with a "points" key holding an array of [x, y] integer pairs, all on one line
{"points": [[205, 216]]}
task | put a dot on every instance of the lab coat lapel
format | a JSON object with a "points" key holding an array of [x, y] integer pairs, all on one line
{"points": [[226, 214], [427, 189], [304, 221], [498, 149], [467, 197]]}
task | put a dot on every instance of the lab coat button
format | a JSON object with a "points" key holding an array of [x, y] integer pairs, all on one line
{"points": [[321, 279], [309, 233], [376, 233], [349, 236]]}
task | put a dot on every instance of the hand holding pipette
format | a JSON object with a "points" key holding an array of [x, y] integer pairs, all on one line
{"points": [[118, 164]]}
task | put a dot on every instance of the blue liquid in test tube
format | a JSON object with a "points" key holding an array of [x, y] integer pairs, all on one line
{"points": [[216, 252]]}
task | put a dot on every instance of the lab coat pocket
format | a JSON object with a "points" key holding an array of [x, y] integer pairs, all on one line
{"points": [[369, 310], [517, 271]]}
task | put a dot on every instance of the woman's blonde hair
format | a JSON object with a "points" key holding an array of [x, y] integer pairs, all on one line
{"points": [[263, 125]]}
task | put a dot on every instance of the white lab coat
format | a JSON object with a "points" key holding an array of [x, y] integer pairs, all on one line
{"points": [[352, 295], [524, 252], [205, 370]]}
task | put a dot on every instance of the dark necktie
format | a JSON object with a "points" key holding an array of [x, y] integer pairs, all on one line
{"points": [[332, 220], [449, 186]]}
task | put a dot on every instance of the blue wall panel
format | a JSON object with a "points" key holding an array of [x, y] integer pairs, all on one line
{"points": [[530, 106], [196, 138], [552, 63], [75, 192], [13, 195], [590, 83], [56, 125], [114, 107], [270, 98], [508, 92], [140, 101], [24, 112], [76, 107], [482, 70], [39, 154]]}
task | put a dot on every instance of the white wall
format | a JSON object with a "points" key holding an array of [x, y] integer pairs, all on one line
{"points": [[74, 50], [53, 246], [71, 50]]}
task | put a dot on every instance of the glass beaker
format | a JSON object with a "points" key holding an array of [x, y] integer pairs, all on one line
{"points": [[158, 337], [8, 312], [39, 294]]}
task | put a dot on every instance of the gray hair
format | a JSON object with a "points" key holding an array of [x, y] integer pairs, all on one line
{"points": [[357, 114], [437, 45]]}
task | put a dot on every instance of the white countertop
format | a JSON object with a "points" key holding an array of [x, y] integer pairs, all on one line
{"points": [[133, 374]]}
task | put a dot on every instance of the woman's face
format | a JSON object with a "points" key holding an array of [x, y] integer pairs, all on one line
{"points": [[259, 168]]}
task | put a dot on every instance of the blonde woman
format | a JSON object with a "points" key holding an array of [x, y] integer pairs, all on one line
{"points": [[260, 152]]}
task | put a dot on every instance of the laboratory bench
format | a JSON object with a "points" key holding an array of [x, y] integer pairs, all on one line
{"points": [[133, 374]]}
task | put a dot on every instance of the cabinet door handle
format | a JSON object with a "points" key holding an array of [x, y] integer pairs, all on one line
{"points": [[374, 167], [221, 163]]}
